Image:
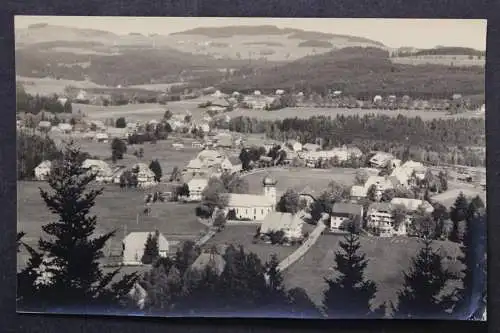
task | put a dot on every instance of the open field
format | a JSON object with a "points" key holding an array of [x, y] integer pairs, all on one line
{"points": [[49, 86], [307, 112], [388, 258], [116, 209], [456, 61], [313, 181], [243, 235], [162, 151]]}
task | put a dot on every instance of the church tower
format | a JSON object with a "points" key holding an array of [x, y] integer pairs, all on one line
{"points": [[270, 188]]}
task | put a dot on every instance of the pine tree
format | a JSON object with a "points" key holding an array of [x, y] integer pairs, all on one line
{"points": [[151, 249], [349, 294], [421, 295], [65, 270], [458, 214], [156, 168]]}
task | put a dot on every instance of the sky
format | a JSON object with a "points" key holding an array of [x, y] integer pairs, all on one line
{"points": [[419, 33]]}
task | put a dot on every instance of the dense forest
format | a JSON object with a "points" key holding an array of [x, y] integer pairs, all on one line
{"points": [[35, 104], [439, 140]]}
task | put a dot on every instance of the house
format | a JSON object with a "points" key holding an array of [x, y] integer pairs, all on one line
{"points": [[209, 259], [252, 207], [358, 192], [133, 247], [294, 145], [381, 184], [196, 144], [381, 159], [196, 187], [279, 92], [145, 177], [404, 172], [205, 127], [103, 172], [178, 146], [65, 128], [379, 219], [42, 171], [411, 206], [311, 147], [344, 212], [291, 224], [101, 137]]}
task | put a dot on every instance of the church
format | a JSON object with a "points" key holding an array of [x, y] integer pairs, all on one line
{"points": [[253, 207]]}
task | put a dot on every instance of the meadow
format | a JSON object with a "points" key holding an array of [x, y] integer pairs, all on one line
{"points": [[49, 86], [388, 258], [312, 181], [116, 209]]}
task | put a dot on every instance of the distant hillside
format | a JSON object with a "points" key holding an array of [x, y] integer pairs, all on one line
{"points": [[445, 51], [363, 72], [316, 43], [42, 32]]}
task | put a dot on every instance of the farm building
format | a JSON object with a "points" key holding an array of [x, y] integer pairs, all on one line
{"points": [[133, 247], [381, 159], [251, 207], [103, 171], [291, 225], [196, 187], [42, 171], [209, 259], [343, 213]]}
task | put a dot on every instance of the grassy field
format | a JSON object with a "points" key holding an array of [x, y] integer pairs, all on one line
{"points": [[312, 180], [441, 60], [243, 235], [388, 258], [116, 209], [48, 86], [162, 150], [307, 112]]}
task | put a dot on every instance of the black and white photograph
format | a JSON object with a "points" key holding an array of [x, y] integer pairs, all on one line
{"points": [[251, 167]]}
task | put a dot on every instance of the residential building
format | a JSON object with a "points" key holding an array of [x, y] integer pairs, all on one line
{"points": [[381, 159], [42, 171], [253, 207], [133, 247], [145, 177], [411, 206], [196, 187], [358, 192], [381, 184], [103, 171], [379, 218], [343, 213], [101, 137], [291, 225]]}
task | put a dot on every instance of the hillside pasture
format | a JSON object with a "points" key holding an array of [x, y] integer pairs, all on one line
{"points": [[116, 209], [243, 235], [308, 112], [312, 181], [455, 61], [388, 258]]}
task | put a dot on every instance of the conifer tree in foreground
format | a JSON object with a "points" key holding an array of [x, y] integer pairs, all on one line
{"points": [[64, 271], [151, 249], [421, 296], [349, 294]]}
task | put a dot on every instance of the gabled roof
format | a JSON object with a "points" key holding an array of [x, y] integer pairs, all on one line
{"points": [[358, 191], [45, 164], [413, 204], [138, 240], [194, 164], [381, 206], [276, 221], [213, 260], [249, 200], [347, 208]]}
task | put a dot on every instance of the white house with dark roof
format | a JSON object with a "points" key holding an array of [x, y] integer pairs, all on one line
{"points": [[291, 224], [343, 213], [381, 159], [133, 247], [253, 207]]}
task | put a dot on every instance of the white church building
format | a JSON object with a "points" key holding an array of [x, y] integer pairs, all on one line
{"points": [[253, 207]]}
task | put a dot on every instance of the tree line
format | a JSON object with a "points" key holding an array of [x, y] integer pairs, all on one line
{"points": [[35, 104], [439, 140]]}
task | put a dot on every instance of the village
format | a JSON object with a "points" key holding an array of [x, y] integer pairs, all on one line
{"points": [[381, 193]]}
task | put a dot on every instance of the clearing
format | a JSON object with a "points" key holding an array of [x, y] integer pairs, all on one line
{"points": [[388, 258]]}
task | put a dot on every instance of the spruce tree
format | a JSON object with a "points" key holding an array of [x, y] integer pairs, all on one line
{"points": [[156, 168], [421, 295], [458, 214], [151, 249], [350, 293], [65, 270]]}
